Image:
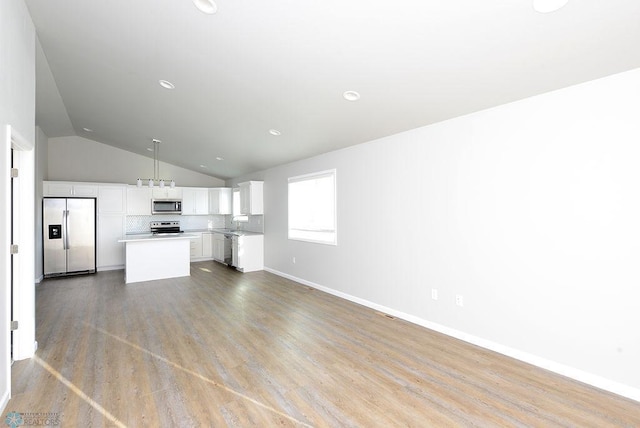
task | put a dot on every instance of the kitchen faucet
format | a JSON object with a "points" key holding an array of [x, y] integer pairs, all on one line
{"points": [[237, 224]]}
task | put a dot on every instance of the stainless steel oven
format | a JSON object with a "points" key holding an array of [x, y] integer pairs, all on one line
{"points": [[165, 228]]}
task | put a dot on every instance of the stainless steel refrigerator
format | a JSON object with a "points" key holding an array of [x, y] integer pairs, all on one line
{"points": [[69, 234]]}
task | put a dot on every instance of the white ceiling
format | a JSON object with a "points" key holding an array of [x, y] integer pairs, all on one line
{"points": [[284, 64]]}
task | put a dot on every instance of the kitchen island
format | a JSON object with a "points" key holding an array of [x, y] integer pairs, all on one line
{"points": [[149, 257]]}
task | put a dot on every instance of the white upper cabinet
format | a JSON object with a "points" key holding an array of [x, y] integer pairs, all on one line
{"points": [[138, 200], [69, 189], [112, 199], [166, 193], [220, 200], [85, 190], [251, 202], [195, 201], [57, 189]]}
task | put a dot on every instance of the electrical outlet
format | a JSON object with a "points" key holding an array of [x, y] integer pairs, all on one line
{"points": [[293, 260], [459, 300], [434, 294]]}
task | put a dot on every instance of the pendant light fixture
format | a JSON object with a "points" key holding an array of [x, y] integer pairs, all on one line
{"points": [[156, 180]]}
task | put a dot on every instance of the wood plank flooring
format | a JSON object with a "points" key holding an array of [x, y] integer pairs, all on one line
{"points": [[221, 348]]}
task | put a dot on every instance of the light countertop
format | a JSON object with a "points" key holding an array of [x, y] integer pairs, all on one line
{"points": [[139, 237], [234, 232], [221, 230]]}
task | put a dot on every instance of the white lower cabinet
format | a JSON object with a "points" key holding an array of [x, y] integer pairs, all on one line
{"points": [[235, 247], [248, 253], [201, 246], [207, 245], [111, 228], [218, 247], [196, 245]]}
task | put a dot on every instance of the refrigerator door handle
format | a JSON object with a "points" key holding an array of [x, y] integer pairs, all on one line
{"points": [[65, 230]]}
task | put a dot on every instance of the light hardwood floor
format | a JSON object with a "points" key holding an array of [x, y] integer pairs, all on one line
{"points": [[221, 348]]}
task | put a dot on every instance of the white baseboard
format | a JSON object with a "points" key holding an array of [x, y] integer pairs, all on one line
{"points": [[564, 370], [106, 268], [201, 259], [39, 279], [3, 401]]}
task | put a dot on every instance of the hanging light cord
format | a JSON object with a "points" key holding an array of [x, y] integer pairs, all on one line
{"points": [[156, 168], [156, 162]]}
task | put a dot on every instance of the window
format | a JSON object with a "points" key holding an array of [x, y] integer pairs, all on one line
{"points": [[237, 217], [312, 207]]}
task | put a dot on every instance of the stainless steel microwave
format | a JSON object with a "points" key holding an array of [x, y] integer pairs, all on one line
{"points": [[166, 206]]}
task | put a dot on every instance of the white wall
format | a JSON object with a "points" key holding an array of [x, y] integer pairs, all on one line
{"points": [[529, 210], [80, 159], [41, 173], [17, 108]]}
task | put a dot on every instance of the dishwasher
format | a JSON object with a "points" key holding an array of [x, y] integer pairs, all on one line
{"points": [[228, 245]]}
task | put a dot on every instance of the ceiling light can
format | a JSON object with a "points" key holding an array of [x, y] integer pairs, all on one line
{"points": [[208, 7], [166, 84], [548, 6], [351, 96], [275, 132]]}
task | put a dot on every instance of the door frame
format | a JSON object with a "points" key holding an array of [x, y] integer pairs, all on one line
{"points": [[24, 344]]}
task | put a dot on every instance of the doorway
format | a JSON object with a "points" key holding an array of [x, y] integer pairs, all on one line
{"points": [[17, 271], [22, 192], [13, 239]]}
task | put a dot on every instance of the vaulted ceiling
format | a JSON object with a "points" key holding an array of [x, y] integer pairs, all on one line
{"points": [[284, 65]]}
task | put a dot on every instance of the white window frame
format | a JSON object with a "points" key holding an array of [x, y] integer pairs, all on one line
{"points": [[326, 236], [235, 207]]}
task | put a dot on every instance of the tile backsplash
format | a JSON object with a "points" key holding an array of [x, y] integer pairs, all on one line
{"points": [[140, 223], [255, 224]]}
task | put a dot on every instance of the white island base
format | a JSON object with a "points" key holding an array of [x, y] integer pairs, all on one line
{"points": [[149, 257]]}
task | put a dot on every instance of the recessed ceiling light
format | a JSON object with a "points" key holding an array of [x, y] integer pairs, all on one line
{"points": [[206, 6], [88, 129], [166, 84], [351, 96], [219, 158], [202, 166], [275, 132], [548, 6], [149, 149]]}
